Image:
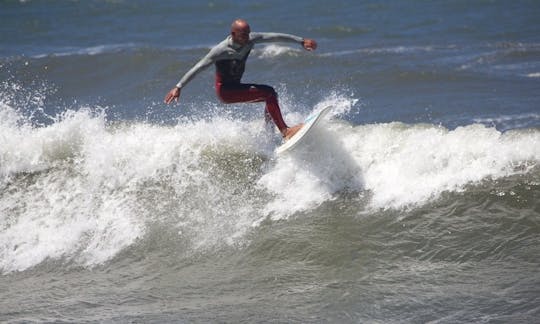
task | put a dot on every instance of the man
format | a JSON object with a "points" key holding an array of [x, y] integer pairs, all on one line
{"points": [[230, 57]]}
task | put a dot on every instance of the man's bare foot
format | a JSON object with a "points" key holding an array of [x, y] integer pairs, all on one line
{"points": [[290, 131]]}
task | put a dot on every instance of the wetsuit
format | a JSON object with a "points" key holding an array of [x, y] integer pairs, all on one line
{"points": [[230, 61]]}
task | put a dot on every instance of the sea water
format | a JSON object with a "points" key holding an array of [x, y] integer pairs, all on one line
{"points": [[418, 200]]}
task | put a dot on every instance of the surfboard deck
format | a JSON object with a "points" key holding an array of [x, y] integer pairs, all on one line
{"points": [[309, 123]]}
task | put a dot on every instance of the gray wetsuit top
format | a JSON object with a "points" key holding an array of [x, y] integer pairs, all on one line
{"points": [[230, 57]]}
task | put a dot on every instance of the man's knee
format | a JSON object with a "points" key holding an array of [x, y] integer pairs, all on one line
{"points": [[266, 89], [270, 93]]}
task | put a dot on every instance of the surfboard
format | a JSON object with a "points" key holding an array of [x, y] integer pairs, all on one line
{"points": [[309, 123]]}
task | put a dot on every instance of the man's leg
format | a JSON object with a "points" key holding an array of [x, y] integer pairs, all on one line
{"points": [[254, 93]]}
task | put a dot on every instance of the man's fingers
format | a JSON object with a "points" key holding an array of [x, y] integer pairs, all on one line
{"points": [[170, 96], [310, 44]]}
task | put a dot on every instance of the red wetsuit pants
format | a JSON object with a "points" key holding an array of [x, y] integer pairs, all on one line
{"points": [[244, 92]]}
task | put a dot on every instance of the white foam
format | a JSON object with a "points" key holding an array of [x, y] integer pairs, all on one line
{"points": [[404, 165], [310, 175], [61, 214], [80, 202]]}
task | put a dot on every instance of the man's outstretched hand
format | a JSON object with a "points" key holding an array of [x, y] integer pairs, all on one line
{"points": [[309, 44], [174, 94]]}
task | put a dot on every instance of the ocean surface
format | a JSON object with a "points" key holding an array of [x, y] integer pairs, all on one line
{"points": [[418, 200]]}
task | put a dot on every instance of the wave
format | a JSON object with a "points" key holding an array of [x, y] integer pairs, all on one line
{"points": [[82, 190], [386, 50], [501, 59], [340, 31], [270, 51], [91, 50], [510, 121], [103, 49], [504, 58]]}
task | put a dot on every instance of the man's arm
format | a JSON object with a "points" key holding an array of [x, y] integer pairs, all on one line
{"points": [[308, 44], [200, 66], [204, 63]]}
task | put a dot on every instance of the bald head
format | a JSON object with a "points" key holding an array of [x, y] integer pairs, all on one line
{"points": [[240, 25], [240, 31]]}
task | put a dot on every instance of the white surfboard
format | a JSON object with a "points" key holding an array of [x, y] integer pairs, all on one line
{"points": [[310, 122]]}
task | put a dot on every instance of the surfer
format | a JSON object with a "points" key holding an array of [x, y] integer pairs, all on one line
{"points": [[230, 57]]}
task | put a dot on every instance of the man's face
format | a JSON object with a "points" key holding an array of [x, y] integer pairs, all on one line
{"points": [[240, 35]]}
